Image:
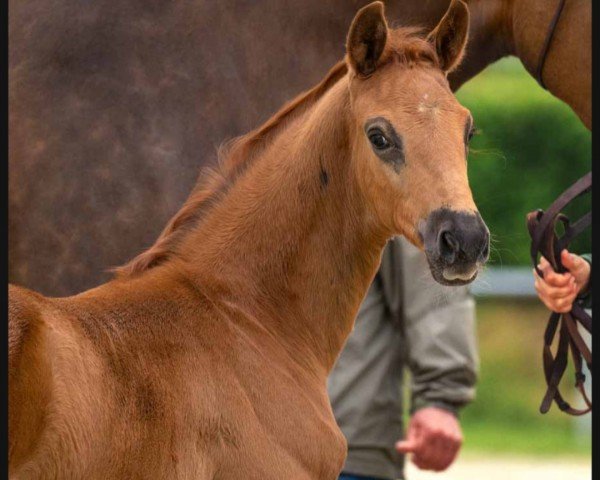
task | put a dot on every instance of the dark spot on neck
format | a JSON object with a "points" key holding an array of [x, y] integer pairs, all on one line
{"points": [[324, 177]]}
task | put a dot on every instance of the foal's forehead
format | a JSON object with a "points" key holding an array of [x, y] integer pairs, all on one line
{"points": [[423, 92], [426, 89]]}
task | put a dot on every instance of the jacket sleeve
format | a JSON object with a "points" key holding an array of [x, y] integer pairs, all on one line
{"points": [[438, 325], [585, 298]]}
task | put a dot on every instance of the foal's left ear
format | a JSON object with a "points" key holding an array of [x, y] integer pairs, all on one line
{"points": [[450, 35], [366, 38]]}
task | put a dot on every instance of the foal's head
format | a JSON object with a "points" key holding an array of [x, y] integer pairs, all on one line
{"points": [[411, 138]]}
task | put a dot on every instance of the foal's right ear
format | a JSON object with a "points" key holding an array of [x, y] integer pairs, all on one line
{"points": [[366, 38], [450, 35]]}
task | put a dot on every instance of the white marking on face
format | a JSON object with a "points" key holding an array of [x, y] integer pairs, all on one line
{"points": [[426, 105]]}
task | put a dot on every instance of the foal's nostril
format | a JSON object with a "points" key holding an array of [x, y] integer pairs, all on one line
{"points": [[485, 251], [449, 246], [450, 241]]}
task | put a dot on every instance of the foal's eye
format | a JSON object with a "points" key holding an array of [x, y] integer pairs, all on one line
{"points": [[379, 141], [471, 133], [385, 142]]}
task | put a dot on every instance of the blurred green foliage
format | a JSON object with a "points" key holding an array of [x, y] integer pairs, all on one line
{"points": [[530, 148]]}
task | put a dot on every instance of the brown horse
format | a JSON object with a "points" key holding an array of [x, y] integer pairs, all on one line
{"points": [[207, 357], [520, 28], [117, 104]]}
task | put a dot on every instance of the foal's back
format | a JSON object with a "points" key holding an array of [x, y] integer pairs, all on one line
{"points": [[100, 379], [150, 373]]}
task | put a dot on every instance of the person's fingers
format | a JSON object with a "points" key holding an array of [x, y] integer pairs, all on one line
{"points": [[545, 267], [406, 446], [578, 267], [437, 454], [450, 450], [437, 448], [415, 437], [538, 282], [541, 288], [553, 278], [552, 292], [447, 455], [555, 292], [411, 443], [563, 305], [560, 305], [423, 458], [571, 262], [438, 438], [425, 455], [557, 279]]}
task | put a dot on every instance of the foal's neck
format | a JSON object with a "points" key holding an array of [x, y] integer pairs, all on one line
{"points": [[292, 243]]}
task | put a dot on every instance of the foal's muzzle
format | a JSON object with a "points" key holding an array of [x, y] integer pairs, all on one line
{"points": [[457, 244]]}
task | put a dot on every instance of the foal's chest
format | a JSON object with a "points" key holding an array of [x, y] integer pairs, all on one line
{"points": [[299, 446], [274, 428]]}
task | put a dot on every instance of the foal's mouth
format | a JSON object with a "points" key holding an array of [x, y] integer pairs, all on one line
{"points": [[455, 277]]}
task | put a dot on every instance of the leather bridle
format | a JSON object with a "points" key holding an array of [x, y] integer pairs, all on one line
{"points": [[547, 42], [542, 228]]}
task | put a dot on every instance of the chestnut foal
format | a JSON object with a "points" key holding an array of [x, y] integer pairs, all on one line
{"points": [[207, 356]]}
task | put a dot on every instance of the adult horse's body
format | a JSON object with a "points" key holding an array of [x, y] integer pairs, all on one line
{"points": [[114, 106], [207, 357]]}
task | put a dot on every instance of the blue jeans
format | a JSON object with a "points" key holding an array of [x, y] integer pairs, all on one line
{"points": [[349, 476]]}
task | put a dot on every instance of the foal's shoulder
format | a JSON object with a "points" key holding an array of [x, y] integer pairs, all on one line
{"points": [[24, 312], [24, 306], [21, 297]]}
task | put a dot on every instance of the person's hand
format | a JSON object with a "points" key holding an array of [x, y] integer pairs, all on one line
{"points": [[433, 437], [559, 290]]}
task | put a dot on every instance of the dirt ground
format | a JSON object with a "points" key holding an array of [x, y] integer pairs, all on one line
{"points": [[508, 468]]}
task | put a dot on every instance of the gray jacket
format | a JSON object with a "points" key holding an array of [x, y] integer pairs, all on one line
{"points": [[406, 320]]}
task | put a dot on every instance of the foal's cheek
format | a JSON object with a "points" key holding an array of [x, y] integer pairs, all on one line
{"points": [[405, 224]]}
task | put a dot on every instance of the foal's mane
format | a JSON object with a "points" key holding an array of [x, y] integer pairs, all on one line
{"points": [[404, 46]]}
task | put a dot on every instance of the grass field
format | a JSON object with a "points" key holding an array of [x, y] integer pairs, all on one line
{"points": [[505, 416]]}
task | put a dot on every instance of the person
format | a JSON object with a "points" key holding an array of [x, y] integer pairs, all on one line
{"points": [[407, 324], [558, 291]]}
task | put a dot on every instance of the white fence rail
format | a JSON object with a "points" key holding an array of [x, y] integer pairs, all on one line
{"points": [[504, 282]]}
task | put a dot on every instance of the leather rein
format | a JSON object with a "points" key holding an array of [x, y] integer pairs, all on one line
{"points": [[546, 45], [542, 228]]}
